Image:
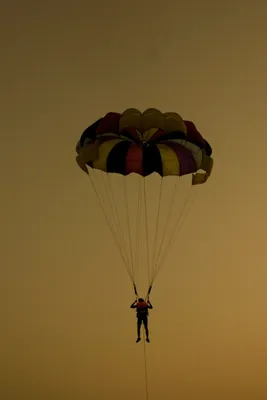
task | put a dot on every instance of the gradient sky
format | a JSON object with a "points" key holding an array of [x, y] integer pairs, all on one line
{"points": [[67, 331]]}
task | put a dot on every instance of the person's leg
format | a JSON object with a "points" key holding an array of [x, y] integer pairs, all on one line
{"points": [[139, 323], [146, 326]]}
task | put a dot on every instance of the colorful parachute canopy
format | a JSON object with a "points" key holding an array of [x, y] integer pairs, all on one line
{"points": [[144, 215], [144, 143]]}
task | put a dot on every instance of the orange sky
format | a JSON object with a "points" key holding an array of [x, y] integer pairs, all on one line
{"points": [[67, 330]]}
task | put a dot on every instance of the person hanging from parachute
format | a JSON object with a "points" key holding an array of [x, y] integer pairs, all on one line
{"points": [[142, 307], [143, 144]]}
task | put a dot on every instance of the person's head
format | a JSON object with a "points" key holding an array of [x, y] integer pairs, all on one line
{"points": [[141, 300]]}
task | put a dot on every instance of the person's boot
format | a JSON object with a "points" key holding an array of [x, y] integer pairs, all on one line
{"points": [[147, 339], [138, 339]]}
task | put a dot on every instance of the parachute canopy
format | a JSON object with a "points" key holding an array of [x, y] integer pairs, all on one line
{"points": [[144, 143], [138, 165]]}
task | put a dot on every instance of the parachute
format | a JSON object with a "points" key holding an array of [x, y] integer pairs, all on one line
{"points": [[144, 168]]}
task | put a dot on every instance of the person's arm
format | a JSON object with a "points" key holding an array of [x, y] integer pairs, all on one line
{"points": [[149, 305], [134, 304]]}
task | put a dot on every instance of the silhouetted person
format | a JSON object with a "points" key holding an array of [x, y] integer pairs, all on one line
{"points": [[142, 316]]}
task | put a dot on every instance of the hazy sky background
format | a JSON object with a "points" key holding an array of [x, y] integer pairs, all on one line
{"points": [[67, 331]]}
